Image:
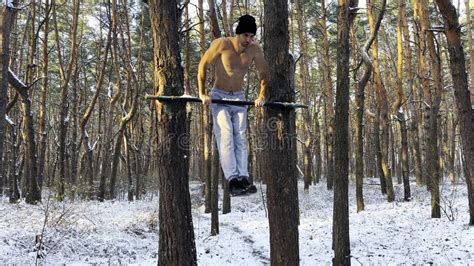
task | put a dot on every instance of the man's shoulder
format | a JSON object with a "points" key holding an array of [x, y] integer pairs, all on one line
{"points": [[254, 48], [221, 40]]}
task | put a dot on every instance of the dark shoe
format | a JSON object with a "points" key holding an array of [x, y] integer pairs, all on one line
{"points": [[236, 187], [248, 187]]}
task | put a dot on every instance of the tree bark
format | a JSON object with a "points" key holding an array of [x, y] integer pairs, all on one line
{"points": [[401, 98], [382, 112], [7, 16], [360, 101], [88, 148], [215, 190], [461, 93], [341, 242], [470, 44], [432, 98], [64, 112], [176, 240], [280, 167], [44, 95], [215, 30], [329, 100], [307, 144]]}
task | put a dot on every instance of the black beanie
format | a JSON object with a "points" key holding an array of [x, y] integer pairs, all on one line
{"points": [[246, 24]]}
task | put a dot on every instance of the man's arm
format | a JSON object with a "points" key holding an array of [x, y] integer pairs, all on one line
{"points": [[208, 58], [262, 68]]}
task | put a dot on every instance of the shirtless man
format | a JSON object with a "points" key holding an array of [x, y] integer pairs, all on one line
{"points": [[232, 57]]}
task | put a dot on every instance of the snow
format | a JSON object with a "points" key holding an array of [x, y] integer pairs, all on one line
{"points": [[9, 120], [124, 232]]}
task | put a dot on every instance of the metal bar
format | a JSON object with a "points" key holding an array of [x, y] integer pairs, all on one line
{"points": [[170, 99]]}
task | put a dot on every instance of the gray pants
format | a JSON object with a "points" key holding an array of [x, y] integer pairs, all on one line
{"points": [[230, 124]]}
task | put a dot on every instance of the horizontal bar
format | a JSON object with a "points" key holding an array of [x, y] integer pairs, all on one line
{"points": [[185, 99]]}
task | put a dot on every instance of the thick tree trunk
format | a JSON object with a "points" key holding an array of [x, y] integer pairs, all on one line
{"points": [[280, 167], [461, 93], [176, 241], [6, 21], [33, 194]]}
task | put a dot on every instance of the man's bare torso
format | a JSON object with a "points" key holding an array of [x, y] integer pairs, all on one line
{"points": [[231, 67]]}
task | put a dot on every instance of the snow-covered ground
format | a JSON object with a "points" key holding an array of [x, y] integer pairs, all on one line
{"points": [[121, 232]]}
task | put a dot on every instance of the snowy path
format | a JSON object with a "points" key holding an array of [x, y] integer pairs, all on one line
{"points": [[126, 233]]}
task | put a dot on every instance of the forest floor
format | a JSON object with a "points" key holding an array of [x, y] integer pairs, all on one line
{"points": [[122, 232]]}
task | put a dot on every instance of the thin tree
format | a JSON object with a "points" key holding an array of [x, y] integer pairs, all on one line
{"points": [[329, 98], [65, 75], [176, 240], [88, 147], [341, 242], [134, 92], [307, 143], [470, 44], [44, 93], [205, 166], [360, 100], [432, 99], [383, 122], [400, 100]]}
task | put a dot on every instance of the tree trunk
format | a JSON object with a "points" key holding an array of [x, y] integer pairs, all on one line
{"points": [[225, 19], [7, 17], [216, 32], [215, 190], [14, 165], [433, 99], [307, 144], [88, 148], [360, 99], [206, 128], [44, 95], [470, 44], [317, 148], [382, 111], [401, 98], [341, 243], [280, 167], [461, 93], [64, 112], [329, 100], [176, 241], [33, 194], [130, 101]]}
